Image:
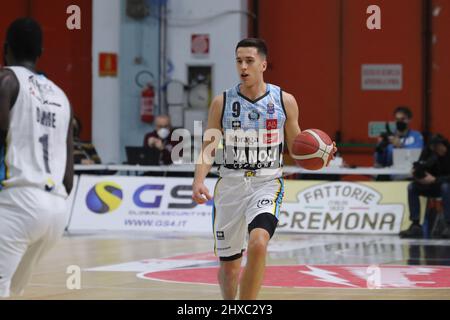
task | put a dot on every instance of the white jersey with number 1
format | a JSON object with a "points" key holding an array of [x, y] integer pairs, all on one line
{"points": [[35, 151]]}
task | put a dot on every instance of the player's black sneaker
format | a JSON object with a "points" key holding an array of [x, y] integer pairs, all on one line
{"points": [[413, 232]]}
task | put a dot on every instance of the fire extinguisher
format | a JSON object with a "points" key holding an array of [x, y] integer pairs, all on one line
{"points": [[147, 103], [147, 98]]}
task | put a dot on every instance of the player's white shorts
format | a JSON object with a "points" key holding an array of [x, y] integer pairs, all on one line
{"points": [[31, 221], [237, 202]]}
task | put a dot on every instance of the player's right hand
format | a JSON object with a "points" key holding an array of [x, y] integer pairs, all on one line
{"points": [[200, 193]]}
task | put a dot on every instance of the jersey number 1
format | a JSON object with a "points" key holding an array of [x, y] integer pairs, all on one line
{"points": [[44, 141]]}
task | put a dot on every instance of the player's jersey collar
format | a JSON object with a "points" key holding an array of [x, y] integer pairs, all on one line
{"points": [[257, 99]]}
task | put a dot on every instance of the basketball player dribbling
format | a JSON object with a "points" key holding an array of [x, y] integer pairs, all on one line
{"points": [[36, 161], [254, 117]]}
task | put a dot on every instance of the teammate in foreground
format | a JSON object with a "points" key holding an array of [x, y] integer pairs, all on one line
{"points": [[252, 118], [36, 160]]}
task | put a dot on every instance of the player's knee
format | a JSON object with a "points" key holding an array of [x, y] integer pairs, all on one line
{"points": [[229, 271], [258, 244]]}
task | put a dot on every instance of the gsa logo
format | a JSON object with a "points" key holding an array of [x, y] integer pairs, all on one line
{"points": [[104, 197]]}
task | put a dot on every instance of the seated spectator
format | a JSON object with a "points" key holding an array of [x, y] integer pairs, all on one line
{"points": [[402, 137], [431, 179], [159, 139], [83, 152]]}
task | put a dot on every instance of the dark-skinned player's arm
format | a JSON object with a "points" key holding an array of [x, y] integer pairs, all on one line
{"points": [[200, 192], [68, 175], [292, 128], [9, 89]]}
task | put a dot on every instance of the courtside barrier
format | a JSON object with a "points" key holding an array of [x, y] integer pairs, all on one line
{"points": [[164, 204]]}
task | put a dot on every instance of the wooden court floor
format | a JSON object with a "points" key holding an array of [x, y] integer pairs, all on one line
{"points": [[111, 262]]}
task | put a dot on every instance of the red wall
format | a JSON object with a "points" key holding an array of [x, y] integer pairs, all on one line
{"points": [[308, 51], [440, 80], [67, 57], [398, 42], [303, 59]]}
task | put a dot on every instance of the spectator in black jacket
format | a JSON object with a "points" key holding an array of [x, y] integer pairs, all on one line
{"points": [[160, 141], [84, 152], [431, 179]]}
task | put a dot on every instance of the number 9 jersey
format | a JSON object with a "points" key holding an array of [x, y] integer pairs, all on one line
{"points": [[35, 151]]}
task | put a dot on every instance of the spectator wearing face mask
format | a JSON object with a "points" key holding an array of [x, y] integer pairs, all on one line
{"points": [[402, 137], [159, 139]]}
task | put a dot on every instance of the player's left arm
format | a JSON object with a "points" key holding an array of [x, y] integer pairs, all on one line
{"points": [[292, 128]]}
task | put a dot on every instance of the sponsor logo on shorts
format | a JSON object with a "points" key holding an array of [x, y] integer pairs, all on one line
{"points": [[220, 235], [264, 203], [226, 248]]}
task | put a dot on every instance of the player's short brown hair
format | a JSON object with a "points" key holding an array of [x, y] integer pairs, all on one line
{"points": [[257, 43]]}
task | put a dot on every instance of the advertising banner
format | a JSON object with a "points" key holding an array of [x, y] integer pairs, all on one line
{"points": [[139, 203], [165, 204], [343, 207]]}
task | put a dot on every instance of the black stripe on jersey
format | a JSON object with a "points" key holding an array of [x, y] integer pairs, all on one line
{"points": [[223, 107], [257, 99], [282, 103]]}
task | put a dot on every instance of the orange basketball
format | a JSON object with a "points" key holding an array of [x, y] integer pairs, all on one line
{"points": [[312, 149]]}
